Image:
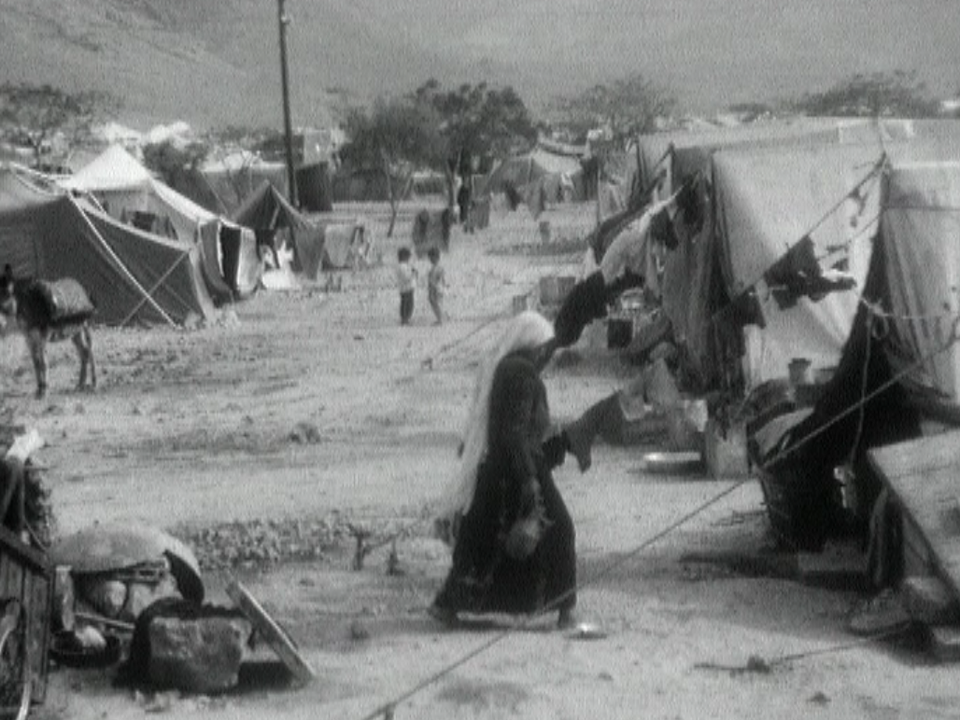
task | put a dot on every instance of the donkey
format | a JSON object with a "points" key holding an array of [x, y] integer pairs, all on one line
{"points": [[27, 303]]}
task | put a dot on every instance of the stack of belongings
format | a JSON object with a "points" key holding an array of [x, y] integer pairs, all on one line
{"points": [[142, 587]]}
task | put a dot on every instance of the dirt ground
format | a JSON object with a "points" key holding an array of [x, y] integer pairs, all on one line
{"points": [[263, 438]]}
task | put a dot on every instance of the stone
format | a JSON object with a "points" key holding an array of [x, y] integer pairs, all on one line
{"points": [[201, 655]]}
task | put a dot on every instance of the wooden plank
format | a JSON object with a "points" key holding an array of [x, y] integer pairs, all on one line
{"points": [[271, 631], [6, 581], [924, 477], [39, 599]]}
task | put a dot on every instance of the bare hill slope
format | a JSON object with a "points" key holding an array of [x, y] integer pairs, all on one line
{"points": [[216, 62]]}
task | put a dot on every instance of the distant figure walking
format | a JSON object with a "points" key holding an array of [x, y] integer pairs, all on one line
{"points": [[436, 283], [406, 281], [464, 198]]}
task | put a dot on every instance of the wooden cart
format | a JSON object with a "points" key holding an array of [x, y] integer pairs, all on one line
{"points": [[26, 605]]}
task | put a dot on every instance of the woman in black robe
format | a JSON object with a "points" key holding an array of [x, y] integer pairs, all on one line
{"points": [[496, 567]]}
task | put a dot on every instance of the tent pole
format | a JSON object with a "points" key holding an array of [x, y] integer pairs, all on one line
{"points": [[283, 21], [119, 263]]}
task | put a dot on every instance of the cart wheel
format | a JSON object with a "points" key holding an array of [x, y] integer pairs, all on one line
{"points": [[14, 685]]}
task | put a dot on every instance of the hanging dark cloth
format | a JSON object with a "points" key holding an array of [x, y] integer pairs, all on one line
{"points": [[798, 274], [230, 247]]}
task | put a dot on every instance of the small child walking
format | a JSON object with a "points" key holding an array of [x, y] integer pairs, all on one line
{"points": [[406, 281], [436, 282]]}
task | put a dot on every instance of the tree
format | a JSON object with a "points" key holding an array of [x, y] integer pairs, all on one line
{"points": [[477, 122], [622, 110], [248, 145], [398, 136], [169, 159], [34, 115], [898, 94]]}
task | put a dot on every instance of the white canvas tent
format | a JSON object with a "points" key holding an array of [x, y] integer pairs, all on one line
{"points": [[125, 188]]}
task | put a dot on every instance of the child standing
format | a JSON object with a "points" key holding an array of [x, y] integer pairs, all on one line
{"points": [[406, 280], [436, 282]]}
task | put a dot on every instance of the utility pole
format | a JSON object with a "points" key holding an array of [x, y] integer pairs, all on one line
{"points": [[287, 129]]}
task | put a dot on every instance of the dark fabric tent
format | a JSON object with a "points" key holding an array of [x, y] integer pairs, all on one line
{"points": [[132, 276], [267, 212]]}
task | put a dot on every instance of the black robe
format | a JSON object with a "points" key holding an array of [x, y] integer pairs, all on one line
{"points": [[483, 577]]}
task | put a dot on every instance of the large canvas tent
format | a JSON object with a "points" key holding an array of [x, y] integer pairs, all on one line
{"points": [[132, 276], [765, 190], [899, 374], [128, 192]]}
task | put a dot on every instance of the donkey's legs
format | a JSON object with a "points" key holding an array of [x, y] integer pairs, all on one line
{"points": [[37, 343], [83, 341]]}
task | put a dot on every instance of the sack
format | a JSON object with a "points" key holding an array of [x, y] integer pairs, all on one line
{"points": [[66, 300]]}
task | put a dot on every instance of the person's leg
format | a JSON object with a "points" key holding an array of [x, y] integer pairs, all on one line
{"points": [[406, 307], [585, 303]]}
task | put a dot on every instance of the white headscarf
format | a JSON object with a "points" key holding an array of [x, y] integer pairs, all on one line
{"points": [[526, 331]]}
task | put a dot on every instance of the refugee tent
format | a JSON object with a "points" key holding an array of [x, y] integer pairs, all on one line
{"points": [[271, 216], [537, 176], [899, 374], [132, 276], [763, 190], [128, 192]]}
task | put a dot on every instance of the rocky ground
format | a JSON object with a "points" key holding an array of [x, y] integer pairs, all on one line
{"points": [[270, 440]]}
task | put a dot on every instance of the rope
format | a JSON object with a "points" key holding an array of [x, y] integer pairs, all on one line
{"points": [[758, 665], [443, 349]]}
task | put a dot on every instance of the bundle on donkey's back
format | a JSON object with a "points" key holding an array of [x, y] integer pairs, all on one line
{"points": [[50, 310]]}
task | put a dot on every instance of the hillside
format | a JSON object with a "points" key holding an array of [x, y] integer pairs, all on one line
{"points": [[216, 62]]}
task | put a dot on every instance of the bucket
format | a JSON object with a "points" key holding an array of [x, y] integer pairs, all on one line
{"points": [[799, 369], [521, 303]]}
